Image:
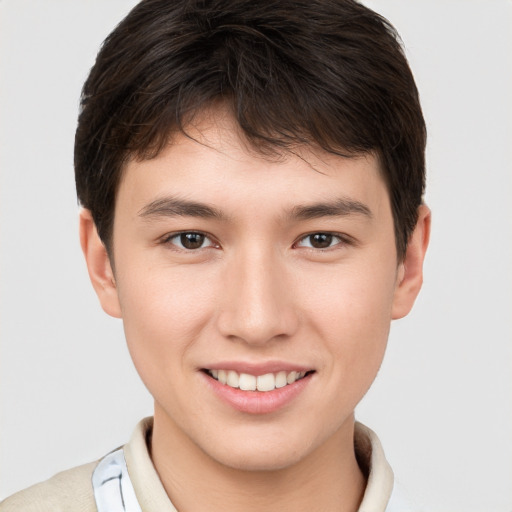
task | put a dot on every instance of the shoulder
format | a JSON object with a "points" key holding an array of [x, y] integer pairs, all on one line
{"points": [[69, 491]]}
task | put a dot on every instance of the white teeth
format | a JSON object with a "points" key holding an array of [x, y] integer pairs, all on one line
{"points": [[233, 379], [247, 382], [281, 380], [292, 377], [266, 382]]}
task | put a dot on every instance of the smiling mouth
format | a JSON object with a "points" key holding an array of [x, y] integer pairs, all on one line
{"points": [[264, 383]]}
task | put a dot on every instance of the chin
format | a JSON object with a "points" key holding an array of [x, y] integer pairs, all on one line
{"points": [[259, 462], [271, 453]]}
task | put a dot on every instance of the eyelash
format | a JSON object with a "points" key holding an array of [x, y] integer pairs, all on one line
{"points": [[167, 240], [341, 240]]}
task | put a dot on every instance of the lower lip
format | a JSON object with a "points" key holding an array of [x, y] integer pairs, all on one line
{"points": [[257, 402]]}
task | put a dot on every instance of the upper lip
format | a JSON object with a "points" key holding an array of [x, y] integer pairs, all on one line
{"points": [[256, 369]]}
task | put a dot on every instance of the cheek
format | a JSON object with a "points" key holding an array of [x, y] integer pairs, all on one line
{"points": [[352, 315], [164, 310]]}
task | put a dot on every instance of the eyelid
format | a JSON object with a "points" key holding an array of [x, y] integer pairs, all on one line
{"points": [[343, 240], [166, 239]]}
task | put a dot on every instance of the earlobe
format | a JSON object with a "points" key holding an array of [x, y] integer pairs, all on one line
{"points": [[98, 265], [410, 271]]}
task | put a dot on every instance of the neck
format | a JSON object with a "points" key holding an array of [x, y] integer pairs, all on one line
{"points": [[328, 479]]}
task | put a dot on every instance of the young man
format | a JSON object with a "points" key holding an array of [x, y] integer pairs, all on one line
{"points": [[251, 176]]}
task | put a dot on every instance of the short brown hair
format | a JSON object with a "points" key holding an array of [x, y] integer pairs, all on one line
{"points": [[329, 73]]}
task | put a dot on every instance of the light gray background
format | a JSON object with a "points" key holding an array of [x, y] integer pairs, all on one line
{"points": [[442, 403]]}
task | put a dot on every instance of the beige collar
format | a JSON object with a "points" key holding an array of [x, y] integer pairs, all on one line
{"points": [[370, 456], [153, 498]]}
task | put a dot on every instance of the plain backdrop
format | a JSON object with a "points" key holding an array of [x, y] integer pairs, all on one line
{"points": [[442, 403]]}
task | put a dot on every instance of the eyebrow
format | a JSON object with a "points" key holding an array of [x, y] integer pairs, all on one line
{"points": [[338, 208], [175, 207]]}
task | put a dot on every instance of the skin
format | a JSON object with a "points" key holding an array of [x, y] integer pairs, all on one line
{"points": [[256, 291]]}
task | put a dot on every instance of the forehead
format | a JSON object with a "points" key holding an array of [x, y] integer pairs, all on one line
{"points": [[213, 162]]}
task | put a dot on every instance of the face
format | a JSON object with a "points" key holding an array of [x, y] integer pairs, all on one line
{"points": [[256, 293]]}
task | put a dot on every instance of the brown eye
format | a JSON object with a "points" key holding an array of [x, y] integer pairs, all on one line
{"points": [[320, 241], [189, 240], [192, 240]]}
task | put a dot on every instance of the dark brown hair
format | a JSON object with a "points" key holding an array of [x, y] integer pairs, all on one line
{"points": [[329, 73]]}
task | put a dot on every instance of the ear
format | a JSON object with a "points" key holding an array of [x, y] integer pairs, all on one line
{"points": [[410, 270], [98, 265]]}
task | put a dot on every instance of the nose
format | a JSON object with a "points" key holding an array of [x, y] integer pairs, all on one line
{"points": [[257, 304]]}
